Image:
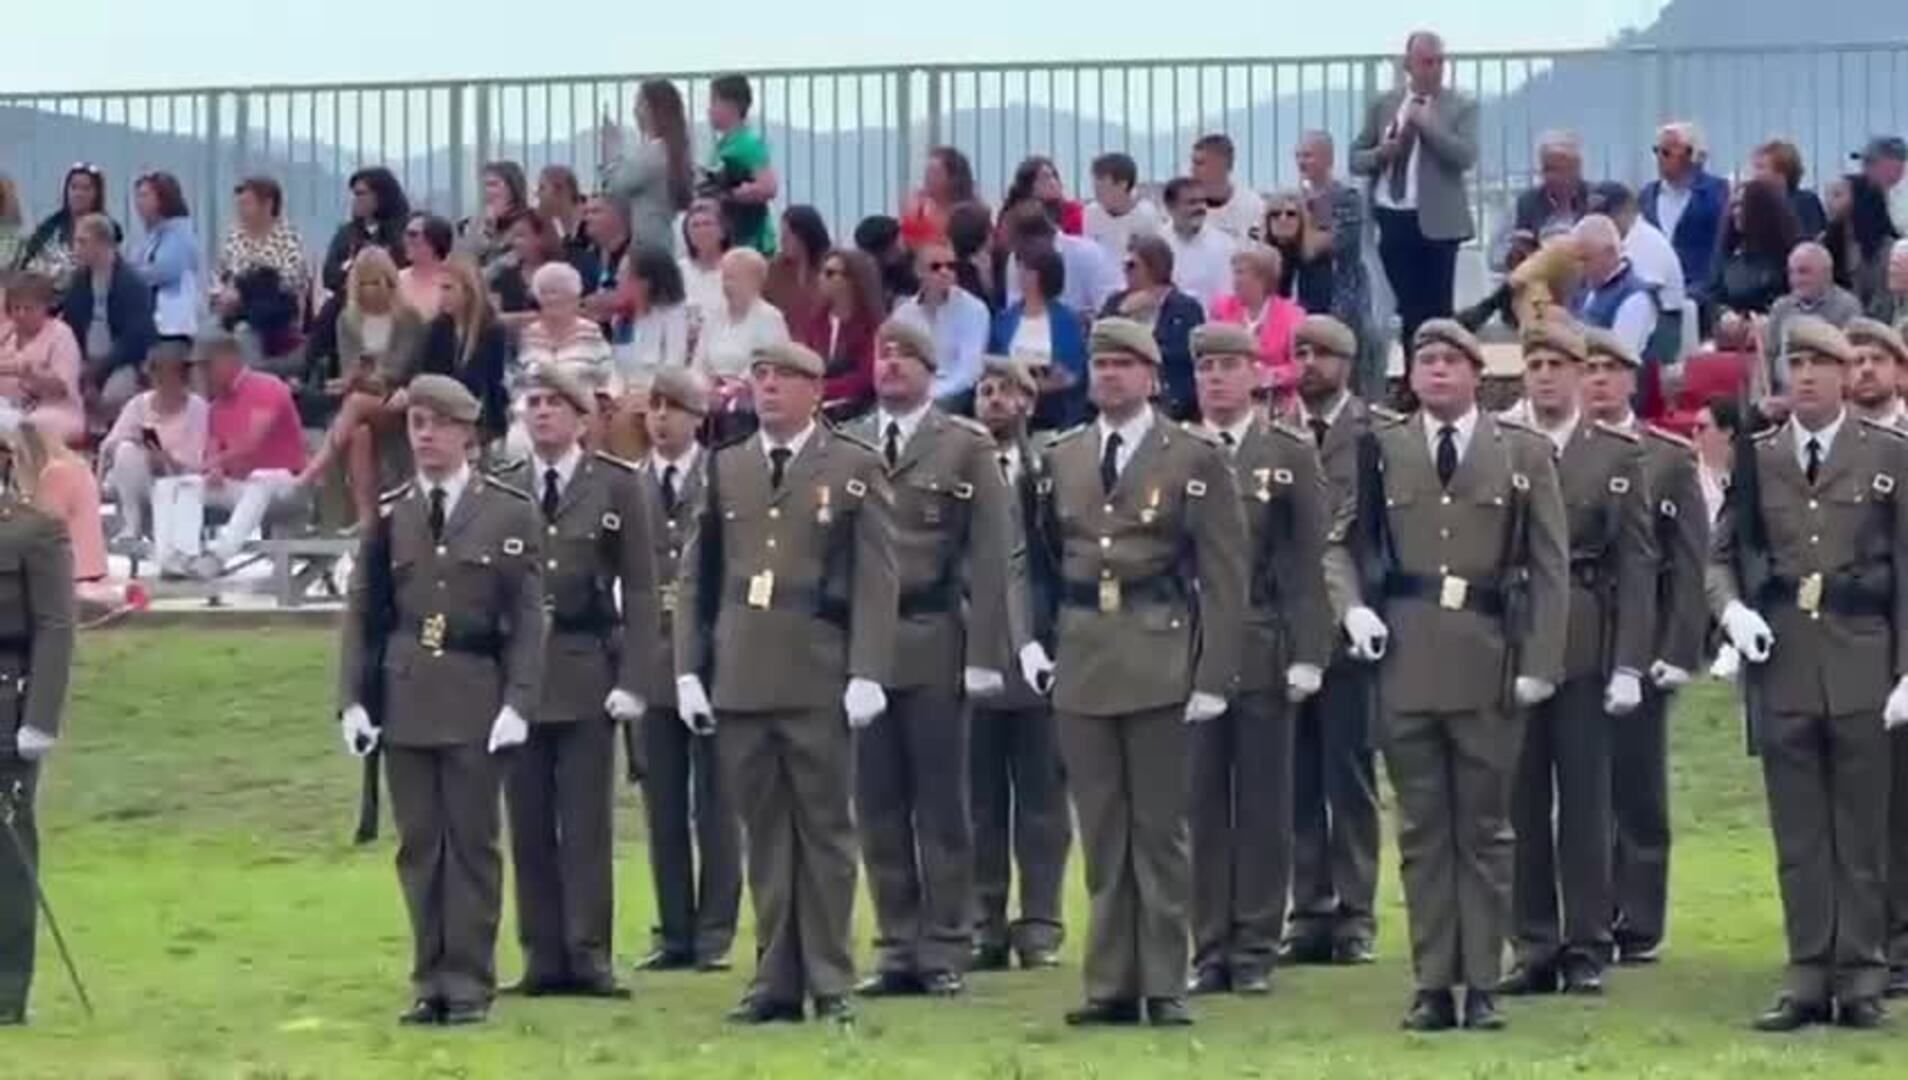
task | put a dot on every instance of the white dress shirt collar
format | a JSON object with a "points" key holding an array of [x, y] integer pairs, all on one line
{"points": [[1238, 432], [794, 445], [1466, 426], [1331, 413], [1561, 434], [1825, 438], [1130, 434], [565, 467], [659, 462], [908, 423], [453, 486]]}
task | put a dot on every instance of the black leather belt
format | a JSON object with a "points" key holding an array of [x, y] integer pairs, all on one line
{"points": [[1836, 595], [1483, 597], [935, 599], [439, 633], [593, 623], [797, 598], [1160, 589]]}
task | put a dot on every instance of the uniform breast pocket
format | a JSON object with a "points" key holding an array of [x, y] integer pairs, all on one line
{"points": [[929, 503]]}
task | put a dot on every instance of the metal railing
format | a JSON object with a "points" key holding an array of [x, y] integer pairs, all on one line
{"points": [[851, 140]]}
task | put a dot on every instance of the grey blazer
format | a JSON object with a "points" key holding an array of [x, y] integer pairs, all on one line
{"points": [[1448, 136]]}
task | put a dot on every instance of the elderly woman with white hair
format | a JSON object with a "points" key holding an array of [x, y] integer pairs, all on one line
{"points": [[743, 323], [561, 333]]}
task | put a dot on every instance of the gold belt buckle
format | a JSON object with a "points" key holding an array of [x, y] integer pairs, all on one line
{"points": [[1452, 592], [669, 599], [1808, 594], [1109, 595], [431, 634], [762, 590]]}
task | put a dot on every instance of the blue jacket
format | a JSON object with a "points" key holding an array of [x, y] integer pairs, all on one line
{"points": [[171, 263], [128, 315], [1062, 410], [1698, 230]]}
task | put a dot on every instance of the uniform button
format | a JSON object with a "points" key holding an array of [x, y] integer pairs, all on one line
{"points": [[774, 512], [1444, 534], [552, 564], [672, 524], [553, 530], [440, 583], [1446, 500], [1815, 539], [442, 551], [1106, 572], [1443, 570], [771, 543], [1813, 505], [1106, 541], [1107, 508]]}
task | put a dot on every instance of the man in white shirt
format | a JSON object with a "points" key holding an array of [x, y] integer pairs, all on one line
{"points": [[1236, 211], [1617, 300], [1091, 275], [1117, 213], [957, 319], [1202, 255], [1653, 259]]}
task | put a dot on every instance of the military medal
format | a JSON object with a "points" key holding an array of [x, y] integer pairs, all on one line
{"points": [[1151, 510], [762, 590], [823, 513], [1264, 477]]}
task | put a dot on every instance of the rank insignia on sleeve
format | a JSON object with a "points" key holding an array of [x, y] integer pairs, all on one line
{"points": [[1884, 484], [1669, 508], [1520, 481]]}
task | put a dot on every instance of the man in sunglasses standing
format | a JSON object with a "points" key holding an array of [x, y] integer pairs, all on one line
{"points": [[956, 319]]}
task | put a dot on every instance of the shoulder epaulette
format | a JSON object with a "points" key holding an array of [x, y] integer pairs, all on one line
{"points": [[1282, 428], [1622, 433], [973, 426], [615, 462], [396, 493], [1667, 436], [1512, 423], [1199, 432], [1877, 425], [511, 466], [1766, 434], [733, 439], [1070, 433], [856, 441], [1385, 415], [508, 489]]}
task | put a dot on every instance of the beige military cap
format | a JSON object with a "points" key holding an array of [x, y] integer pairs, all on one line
{"points": [[1449, 332], [910, 337], [1223, 339], [1565, 338], [1114, 334], [446, 397], [1872, 332], [1807, 333], [1013, 371], [791, 356], [1327, 335], [1600, 342], [682, 387], [563, 380]]}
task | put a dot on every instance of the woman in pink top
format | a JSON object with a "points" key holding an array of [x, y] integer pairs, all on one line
{"points": [[40, 361], [160, 433], [1255, 303], [427, 243], [59, 483]]}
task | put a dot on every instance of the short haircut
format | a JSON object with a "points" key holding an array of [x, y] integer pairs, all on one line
{"points": [[437, 233], [265, 190], [746, 259], [1217, 143], [557, 279], [96, 227], [1319, 136], [1050, 269], [1786, 159], [1117, 167], [167, 193], [1264, 260], [1813, 252], [735, 90], [1178, 188], [1600, 230], [877, 234], [970, 228], [1689, 135], [1558, 141], [1155, 254], [1427, 37]]}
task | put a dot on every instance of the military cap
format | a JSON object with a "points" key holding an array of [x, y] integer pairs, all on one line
{"points": [[1114, 334], [1327, 335], [790, 356], [1448, 332], [1560, 337], [444, 396], [910, 337], [1223, 339], [1013, 371], [1600, 342], [1873, 332], [682, 387], [1807, 333], [563, 380]]}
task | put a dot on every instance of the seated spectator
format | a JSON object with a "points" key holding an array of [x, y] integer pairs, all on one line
{"points": [[704, 241], [1502, 302], [110, 311], [842, 332], [1751, 271], [602, 264], [1305, 252], [744, 323], [794, 278], [879, 237], [1721, 371], [655, 182], [947, 181], [12, 223], [48, 252], [485, 235], [1558, 200], [533, 242], [1202, 254], [1615, 297], [957, 320], [1117, 213], [58, 483], [1045, 336], [379, 214], [1653, 259], [739, 175], [561, 333], [159, 433], [254, 449], [1037, 180], [658, 321], [263, 278], [170, 260], [1812, 291], [560, 201], [466, 342], [1714, 431], [1892, 307], [40, 362], [1859, 242], [1091, 277], [1255, 303], [1779, 162], [978, 263], [1150, 297], [428, 240]]}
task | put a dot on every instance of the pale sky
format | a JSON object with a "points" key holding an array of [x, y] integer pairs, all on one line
{"points": [[126, 44]]}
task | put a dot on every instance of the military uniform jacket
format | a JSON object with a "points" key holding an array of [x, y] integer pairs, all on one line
{"points": [[1454, 658], [1682, 548], [466, 629], [1338, 457], [1613, 563], [1285, 497], [36, 619], [1851, 528], [951, 525], [787, 593], [601, 537], [1030, 606], [669, 530], [1151, 578]]}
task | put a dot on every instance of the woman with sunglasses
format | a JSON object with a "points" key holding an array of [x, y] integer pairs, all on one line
{"points": [[49, 251], [1150, 297], [379, 211], [1305, 252], [1255, 303], [842, 331], [170, 260], [427, 246]]}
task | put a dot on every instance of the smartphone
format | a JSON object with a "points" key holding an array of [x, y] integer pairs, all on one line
{"points": [[150, 436]]}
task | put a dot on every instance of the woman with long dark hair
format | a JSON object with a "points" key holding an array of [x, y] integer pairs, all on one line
{"points": [[379, 211], [1859, 243], [49, 250], [1037, 179], [946, 182], [428, 240], [1757, 237], [654, 183], [842, 330], [506, 196], [794, 281]]}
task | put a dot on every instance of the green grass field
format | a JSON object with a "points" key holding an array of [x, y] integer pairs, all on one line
{"points": [[197, 822]]}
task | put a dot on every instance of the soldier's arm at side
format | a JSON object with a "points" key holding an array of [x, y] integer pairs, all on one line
{"points": [[1219, 558], [1686, 622], [1342, 583], [1636, 566], [1300, 567], [876, 595], [993, 635], [355, 643], [689, 643], [49, 596], [1719, 579], [529, 622], [639, 505], [1899, 553], [1541, 653]]}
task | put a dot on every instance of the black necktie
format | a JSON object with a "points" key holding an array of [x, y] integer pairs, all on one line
{"points": [[436, 518], [1110, 462], [551, 496], [1231, 441], [1319, 430], [1006, 468], [892, 449], [1447, 454], [1814, 468], [669, 488], [778, 465]]}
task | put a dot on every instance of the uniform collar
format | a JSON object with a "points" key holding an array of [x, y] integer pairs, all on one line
{"points": [[1131, 432], [1560, 435], [565, 467], [1329, 415], [1466, 425], [908, 422], [793, 446], [1238, 431], [452, 485], [657, 462], [1825, 438]]}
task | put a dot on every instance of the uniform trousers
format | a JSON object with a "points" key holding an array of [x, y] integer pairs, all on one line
{"points": [[1898, 851], [444, 800], [1021, 823], [558, 789], [1560, 810], [1241, 825], [1639, 804], [19, 781], [1335, 813], [695, 842]]}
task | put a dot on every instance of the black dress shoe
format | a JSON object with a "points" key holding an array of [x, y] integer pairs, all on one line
{"points": [[716, 962], [1581, 975], [835, 1009], [1431, 1010], [12, 1017], [538, 986], [1306, 950], [464, 1014], [1637, 952], [1104, 1013], [1209, 980], [1528, 979], [1039, 959], [943, 984], [1168, 1012], [423, 1011], [1353, 951], [1252, 983], [1862, 1014], [1480, 1011], [761, 1010], [991, 958], [891, 984], [1897, 983], [1789, 1014], [666, 960], [599, 986]]}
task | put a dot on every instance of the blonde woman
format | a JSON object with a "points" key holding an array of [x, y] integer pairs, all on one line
{"points": [[467, 343], [56, 481]]}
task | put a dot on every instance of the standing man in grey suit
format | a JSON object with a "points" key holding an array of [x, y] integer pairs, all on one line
{"points": [[1417, 143]]}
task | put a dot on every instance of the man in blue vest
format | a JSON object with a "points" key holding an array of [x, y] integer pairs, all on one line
{"points": [[1615, 297]]}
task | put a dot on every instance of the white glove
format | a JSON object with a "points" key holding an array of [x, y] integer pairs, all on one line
{"points": [[1302, 681], [509, 730], [1529, 691], [982, 682], [692, 705], [1667, 676], [624, 706], [1202, 707], [1624, 693], [1894, 714], [863, 701], [1036, 667], [1368, 634], [360, 737], [32, 743], [1747, 632], [1727, 665]]}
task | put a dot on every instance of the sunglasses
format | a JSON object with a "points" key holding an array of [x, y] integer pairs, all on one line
{"points": [[1131, 264], [1281, 213], [831, 272], [939, 265], [1664, 151]]}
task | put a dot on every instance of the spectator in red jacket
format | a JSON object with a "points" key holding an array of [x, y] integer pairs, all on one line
{"points": [[842, 330], [1038, 180]]}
